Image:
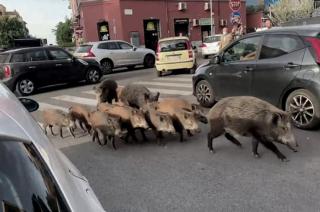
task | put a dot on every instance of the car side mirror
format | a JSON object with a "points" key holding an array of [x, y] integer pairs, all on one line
{"points": [[216, 59], [134, 48], [194, 47], [29, 104]]}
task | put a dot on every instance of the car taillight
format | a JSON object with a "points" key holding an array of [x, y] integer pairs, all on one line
{"points": [[203, 45], [157, 52], [90, 53], [7, 72], [189, 47], [315, 43], [190, 54]]}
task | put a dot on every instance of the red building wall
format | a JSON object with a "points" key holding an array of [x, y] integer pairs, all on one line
{"points": [[120, 25], [254, 20]]}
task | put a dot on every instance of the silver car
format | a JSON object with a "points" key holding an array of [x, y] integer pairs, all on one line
{"points": [[34, 175], [116, 53]]}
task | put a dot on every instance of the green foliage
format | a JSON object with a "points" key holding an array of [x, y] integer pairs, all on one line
{"points": [[290, 10], [63, 32], [254, 8], [10, 29]]}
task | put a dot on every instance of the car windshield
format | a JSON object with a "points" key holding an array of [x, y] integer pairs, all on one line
{"points": [[212, 39], [173, 45], [83, 48], [25, 182], [3, 57]]}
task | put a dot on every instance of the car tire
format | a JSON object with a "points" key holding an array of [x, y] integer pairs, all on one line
{"points": [[107, 66], [131, 67], [204, 94], [93, 75], [149, 61], [159, 73], [205, 57], [304, 109], [25, 86]]}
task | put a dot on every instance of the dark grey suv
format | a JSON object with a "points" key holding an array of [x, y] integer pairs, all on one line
{"points": [[279, 65]]}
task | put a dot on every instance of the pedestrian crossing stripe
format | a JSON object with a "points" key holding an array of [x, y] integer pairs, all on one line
{"points": [[44, 106], [174, 79], [78, 100], [171, 92], [165, 84]]}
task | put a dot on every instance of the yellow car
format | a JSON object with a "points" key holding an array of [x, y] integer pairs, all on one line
{"points": [[175, 53]]}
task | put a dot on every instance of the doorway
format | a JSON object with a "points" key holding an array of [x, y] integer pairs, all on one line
{"points": [[181, 27], [103, 30], [151, 33], [205, 31]]}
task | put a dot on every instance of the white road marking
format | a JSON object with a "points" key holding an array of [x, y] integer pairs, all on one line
{"points": [[43, 106], [41, 124], [89, 92], [75, 99], [173, 79], [171, 92], [166, 84]]}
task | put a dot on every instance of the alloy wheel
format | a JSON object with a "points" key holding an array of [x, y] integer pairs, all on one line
{"points": [[26, 86], [302, 110], [203, 93]]}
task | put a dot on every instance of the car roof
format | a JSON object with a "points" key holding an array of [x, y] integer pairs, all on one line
{"points": [[173, 38], [305, 30], [103, 41]]}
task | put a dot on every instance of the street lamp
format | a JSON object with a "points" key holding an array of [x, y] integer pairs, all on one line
{"points": [[211, 20]]}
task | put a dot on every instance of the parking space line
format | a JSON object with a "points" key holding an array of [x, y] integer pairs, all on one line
{"points": [[75, 99]]}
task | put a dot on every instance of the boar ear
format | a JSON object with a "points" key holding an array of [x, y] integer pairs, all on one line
{"points": [[146, 97], [276, 118], [156, 97]]}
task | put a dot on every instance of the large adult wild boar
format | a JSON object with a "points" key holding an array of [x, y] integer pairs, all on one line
{"points": [[106, 91], [250, 116]]}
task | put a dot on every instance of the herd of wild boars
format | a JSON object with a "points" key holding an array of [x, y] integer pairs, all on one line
{"points": [[121, 111]]}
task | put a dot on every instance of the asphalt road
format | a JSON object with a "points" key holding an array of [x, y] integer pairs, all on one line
{"points": [[185, 176]]}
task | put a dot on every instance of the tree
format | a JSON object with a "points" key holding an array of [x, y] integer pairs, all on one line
{"points": [[63, 32], [289, 10], [10, 29]]}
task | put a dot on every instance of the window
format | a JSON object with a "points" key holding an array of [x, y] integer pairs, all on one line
{"points": [[17, 58], [36, 55], [278, 45], [173, 45], [124, 45], [84, 48], [245, 49], [59, 54], [108, 45], [212, 39], [26, 183]]}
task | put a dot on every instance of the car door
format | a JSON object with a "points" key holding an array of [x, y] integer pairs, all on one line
{"points": [[37, 64], [64, 67], [110, 50], [279, 61], [233, 76], [128, 53]]}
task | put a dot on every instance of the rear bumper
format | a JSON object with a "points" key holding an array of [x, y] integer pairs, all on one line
{"points": [[205, 51], [175, 66]]}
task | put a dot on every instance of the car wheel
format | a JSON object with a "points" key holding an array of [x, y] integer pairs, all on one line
{"points": [[93, 75], [25, 86], [131, 67], [149, 61], [107, 66], [204, 93], [159, 73], [304, 109]]}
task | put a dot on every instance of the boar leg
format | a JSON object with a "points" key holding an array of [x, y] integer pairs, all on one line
{"points": [[71, 132], [269, 145], [60, 130], [233, 139], [255, 144], [94, 136], [112, 138], [189, 133], [100, 134], [45, 126], [211, 135], [50, 126], [82, 127], [143, 135]]}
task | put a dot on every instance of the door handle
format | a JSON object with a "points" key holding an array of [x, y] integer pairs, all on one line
{"points": [[291, 65], [58, 64], [32, 67]]}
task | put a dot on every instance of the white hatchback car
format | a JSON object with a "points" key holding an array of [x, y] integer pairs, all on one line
{"points": [[210, 45], [116, 53]]}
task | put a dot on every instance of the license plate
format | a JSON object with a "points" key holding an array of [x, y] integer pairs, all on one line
{"points": [[173, 58]]}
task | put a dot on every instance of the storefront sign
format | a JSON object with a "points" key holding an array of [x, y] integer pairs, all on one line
{"points": [[235, 5], [128, 11], [205, 21], [181, 21]]}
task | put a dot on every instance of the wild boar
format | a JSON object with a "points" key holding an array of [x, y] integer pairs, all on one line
{"points": [[52, 117], [80, 114], [137, 95], [252, 117], [182, 119], [159, 122], [185, 105], [131, 118], [105, 127], [106, 91]]}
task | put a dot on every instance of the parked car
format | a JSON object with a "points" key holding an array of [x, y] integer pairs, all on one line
{"points": [[27, 69], [279, 65], [34, 175], [116, 53], [175, 53], [210, 45]]}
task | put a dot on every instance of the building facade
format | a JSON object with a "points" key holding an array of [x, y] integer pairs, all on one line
{"points": [[11, 14], [143, 22]]}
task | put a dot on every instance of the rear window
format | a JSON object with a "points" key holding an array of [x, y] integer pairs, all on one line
{"points": [[173, 45], [212, 39], [84, 49], [3, 58]]}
